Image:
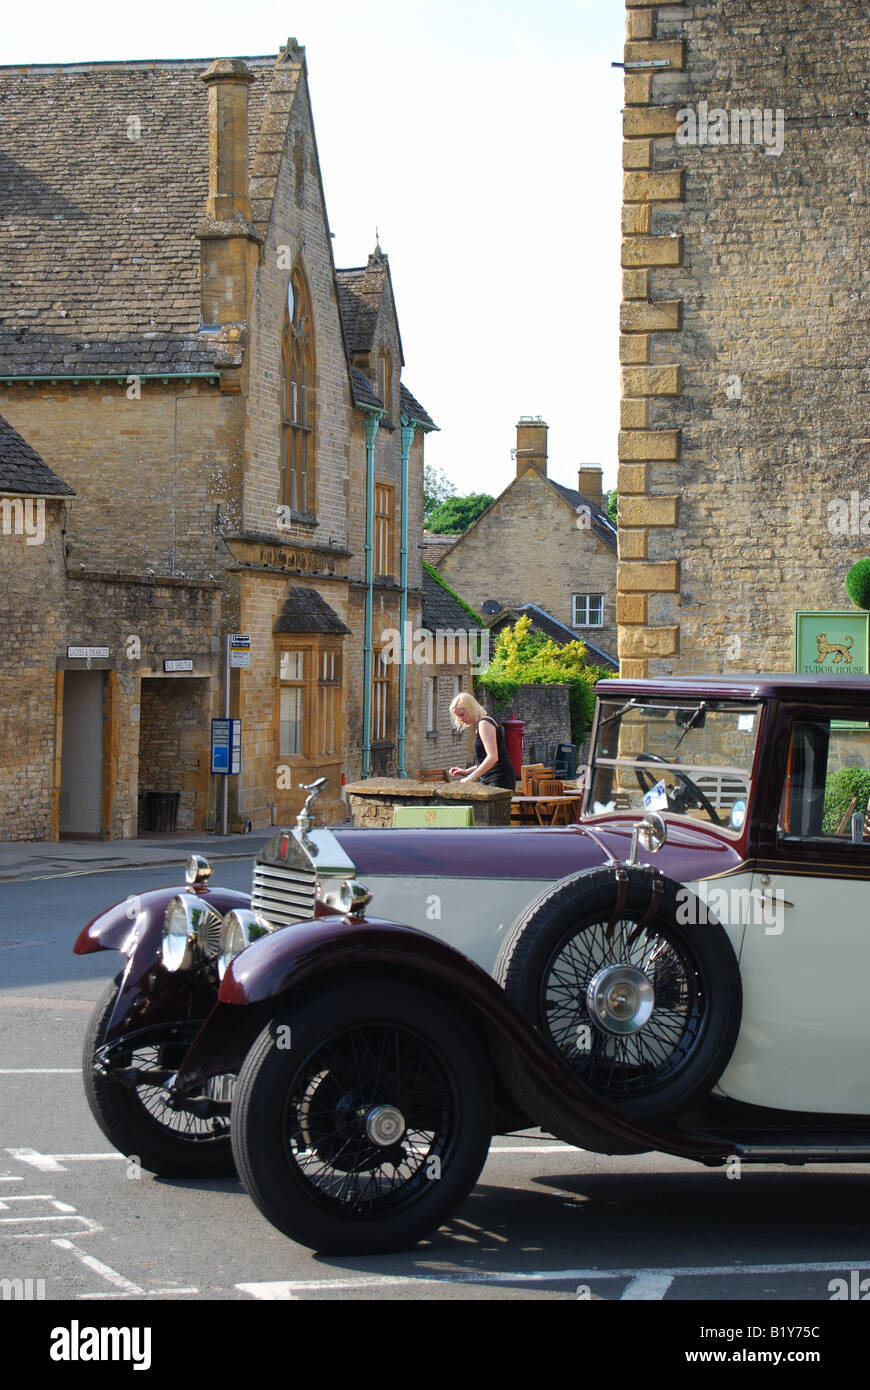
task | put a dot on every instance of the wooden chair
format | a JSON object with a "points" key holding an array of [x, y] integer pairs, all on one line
{"points": [[556, 810]]}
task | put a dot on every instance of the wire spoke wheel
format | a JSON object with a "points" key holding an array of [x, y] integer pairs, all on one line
{"points": [[627, 1063], [642, 1001], [137, 1120], [372, 1127], [196, 1128], [339, 1088]]}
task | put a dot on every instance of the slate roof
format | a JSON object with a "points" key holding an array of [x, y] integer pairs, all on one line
{"points": [[542, 621], [363, 391], [305, 610], [99, 262], [601, 522], [360, 293], [22, 470], [440, 609], [414, 410]]}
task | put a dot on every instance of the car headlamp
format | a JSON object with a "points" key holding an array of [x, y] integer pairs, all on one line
{"points": [[350, 897], [189, 925], [197, 869], [238, 929]]}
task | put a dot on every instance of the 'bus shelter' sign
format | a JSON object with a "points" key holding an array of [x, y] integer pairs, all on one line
{"points": [[832, 644]]}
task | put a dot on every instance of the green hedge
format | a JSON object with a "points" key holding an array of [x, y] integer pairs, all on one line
{"points": [[848, 782]]}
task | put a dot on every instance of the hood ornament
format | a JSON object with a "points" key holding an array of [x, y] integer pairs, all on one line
{"points": [[303, 820]]}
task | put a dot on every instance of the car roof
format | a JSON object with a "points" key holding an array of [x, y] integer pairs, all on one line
{"points": [[740, 687]]}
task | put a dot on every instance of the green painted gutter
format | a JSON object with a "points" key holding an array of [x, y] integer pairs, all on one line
{"points": [[373, 420]]}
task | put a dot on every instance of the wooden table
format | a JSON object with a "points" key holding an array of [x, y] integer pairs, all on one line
{"points": [[569, 799]]}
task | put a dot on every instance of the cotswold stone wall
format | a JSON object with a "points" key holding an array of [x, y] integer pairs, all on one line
{"points": [[746, 387], [547, 715], [32, 631]]}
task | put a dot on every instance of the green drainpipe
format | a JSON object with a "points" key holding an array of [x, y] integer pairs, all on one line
{"points": [[372, 423], [408, 430]]}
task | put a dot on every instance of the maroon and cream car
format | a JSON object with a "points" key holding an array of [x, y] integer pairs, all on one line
{"points": [[685, 970]]}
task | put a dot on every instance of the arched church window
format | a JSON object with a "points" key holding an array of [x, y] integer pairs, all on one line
{"points": [[297, 401]]}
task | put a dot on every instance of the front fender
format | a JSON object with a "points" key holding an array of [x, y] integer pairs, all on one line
{"points": [[311, 956], [149, 994]]}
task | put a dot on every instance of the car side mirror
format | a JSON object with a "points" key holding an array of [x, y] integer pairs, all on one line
{"points": [[651, 832]]}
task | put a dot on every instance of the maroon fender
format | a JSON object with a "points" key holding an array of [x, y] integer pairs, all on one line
{"points": [[311, 956], [149, 994]]}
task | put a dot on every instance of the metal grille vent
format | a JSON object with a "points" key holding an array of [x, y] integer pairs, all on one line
{"points": [[283, 896]]}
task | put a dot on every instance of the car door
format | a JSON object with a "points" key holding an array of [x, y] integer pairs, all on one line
{"points": [[805, 960]]}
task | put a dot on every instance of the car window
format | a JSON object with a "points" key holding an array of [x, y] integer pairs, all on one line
{"points": [[686, 757], [827, 782]]}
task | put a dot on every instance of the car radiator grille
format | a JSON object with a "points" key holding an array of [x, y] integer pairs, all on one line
{"points": [[283, 896]]}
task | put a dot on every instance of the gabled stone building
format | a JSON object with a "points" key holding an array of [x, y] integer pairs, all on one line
{"points": [[541, 542], [173, 346]]}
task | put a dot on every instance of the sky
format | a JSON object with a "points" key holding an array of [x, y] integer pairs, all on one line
{"points": [[482, 142]]}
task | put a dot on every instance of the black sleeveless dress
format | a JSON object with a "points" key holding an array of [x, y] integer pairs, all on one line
{"points": [[503, 774]]}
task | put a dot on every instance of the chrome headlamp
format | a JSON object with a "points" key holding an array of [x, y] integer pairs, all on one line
{"points": [[189, 926], [350, 897], [197, 869], [238, 929]]}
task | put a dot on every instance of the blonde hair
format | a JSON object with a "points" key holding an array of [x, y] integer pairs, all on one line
{"points": [[471, 707]]}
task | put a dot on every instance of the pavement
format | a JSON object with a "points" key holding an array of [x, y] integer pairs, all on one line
{"points": [[28, 859]]}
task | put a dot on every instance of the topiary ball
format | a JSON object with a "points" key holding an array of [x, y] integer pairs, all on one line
{"points": [[858, 584]]}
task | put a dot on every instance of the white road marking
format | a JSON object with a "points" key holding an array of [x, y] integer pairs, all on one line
{"points": [[44, 1162], [146, 1293], [535, 1149], [648, 1285], [105, 1271], [4, 1177], [35, 1197], [288, 1288], [55, 1163], [40, 1071]]}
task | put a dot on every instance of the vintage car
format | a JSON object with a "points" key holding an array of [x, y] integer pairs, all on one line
{"points": [[684, 970]]}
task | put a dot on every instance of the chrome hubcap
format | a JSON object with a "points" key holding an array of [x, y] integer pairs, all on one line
{"points": [[620, 999], [385, 1125]]}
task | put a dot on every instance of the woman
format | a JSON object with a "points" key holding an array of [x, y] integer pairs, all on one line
{"points": [[493, 767]]}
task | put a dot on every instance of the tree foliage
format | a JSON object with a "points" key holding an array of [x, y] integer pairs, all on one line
{"points": [[524, 656], [612, 504], [858, 583], [437, 487], [849, 782], [456, 514]]}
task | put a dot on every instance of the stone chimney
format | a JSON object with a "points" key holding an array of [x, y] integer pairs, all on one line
{"points": [[229, 244], [590, 483], [531, 443]]}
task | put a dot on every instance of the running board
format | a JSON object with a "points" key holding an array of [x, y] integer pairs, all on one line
{"points": [[804, 1153]]}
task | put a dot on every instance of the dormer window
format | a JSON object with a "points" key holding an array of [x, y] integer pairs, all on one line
{"points": [[297, 402]]}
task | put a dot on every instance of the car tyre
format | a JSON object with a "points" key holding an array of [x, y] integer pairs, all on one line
{"points": [[646, 1015], [362, 1119], [166, 1142]]}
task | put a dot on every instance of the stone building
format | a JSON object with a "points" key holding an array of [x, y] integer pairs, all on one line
{"points": [[544, 543], [239, 452], [745, 422]]}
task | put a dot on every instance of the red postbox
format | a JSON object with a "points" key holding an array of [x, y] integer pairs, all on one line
{"points": [[513, 734]]}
